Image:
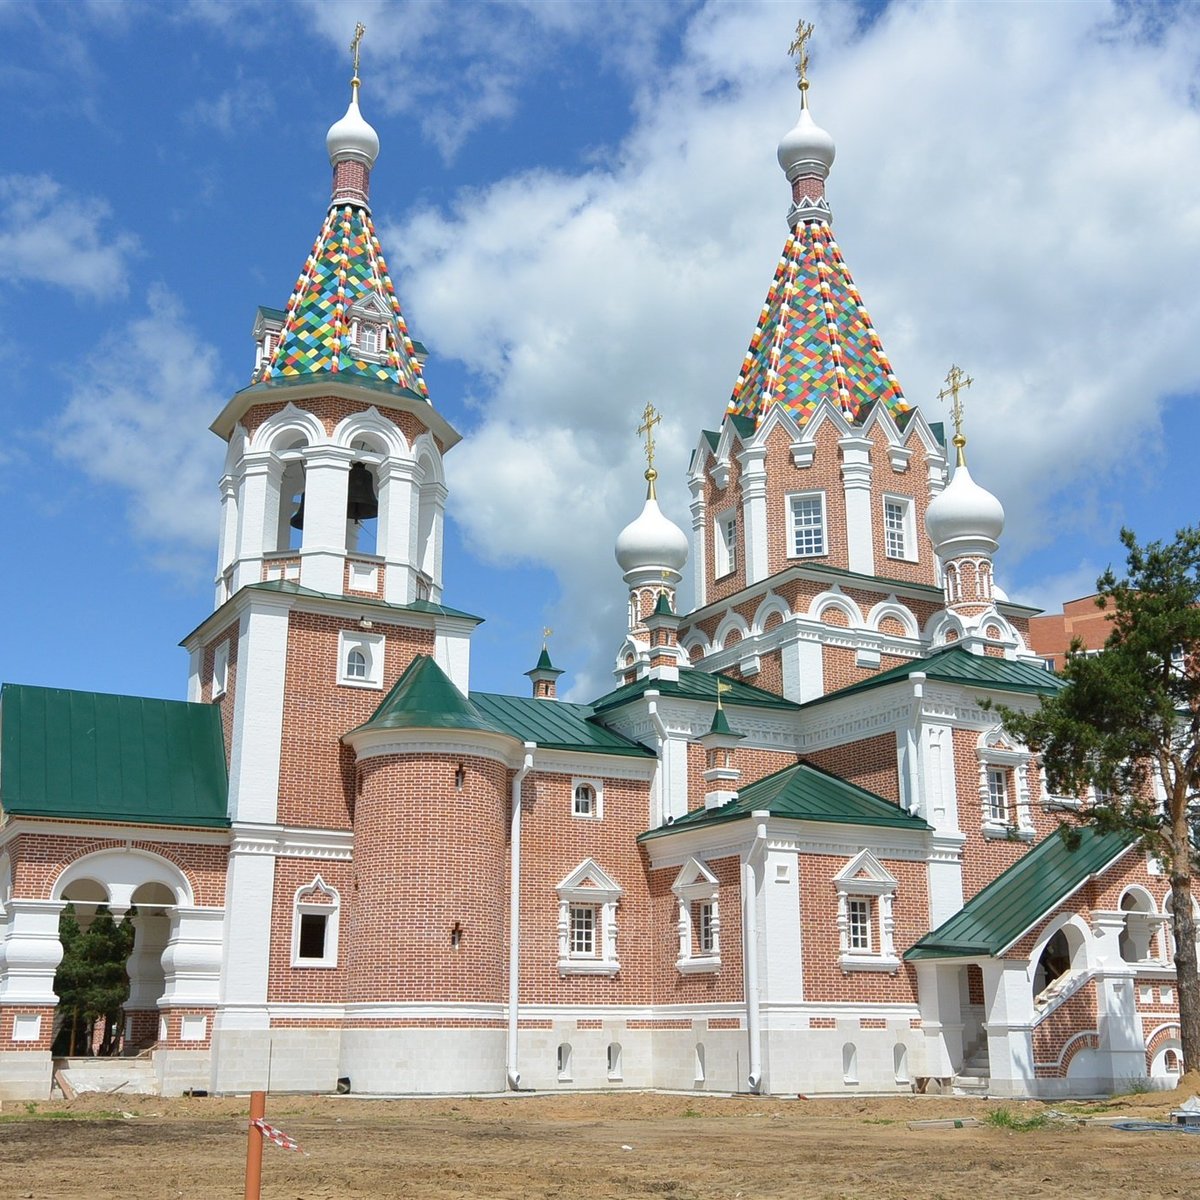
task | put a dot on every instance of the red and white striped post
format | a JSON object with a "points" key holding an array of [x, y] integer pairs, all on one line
{"points": [[254, 1146]]}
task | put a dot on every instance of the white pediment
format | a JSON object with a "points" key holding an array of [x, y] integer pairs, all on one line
{"points": [[865, 873], [591, 879]]}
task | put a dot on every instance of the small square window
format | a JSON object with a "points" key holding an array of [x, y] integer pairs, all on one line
{"points": [[312, 935], [859, 912], [807, 517], [726, 543], [898, 541], [997, 784], [583, 931]]}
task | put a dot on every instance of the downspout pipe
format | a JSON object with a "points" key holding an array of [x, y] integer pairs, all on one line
{"points": [[750, 942], [514, 921], [664, 779]]}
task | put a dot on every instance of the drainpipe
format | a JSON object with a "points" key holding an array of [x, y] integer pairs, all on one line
{"points": [[660, 731], [514, 920], [750, 945]]}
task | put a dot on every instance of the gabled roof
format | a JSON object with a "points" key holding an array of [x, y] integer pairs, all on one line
{"points": [[696, 685], [425, 698], [814, 339], [89, 756], [953, 664], [554, 724], [1013, 902], [801, 793], [345, 270]]}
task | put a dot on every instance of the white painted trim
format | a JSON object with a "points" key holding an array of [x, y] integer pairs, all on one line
{"points": [[291, 841]]}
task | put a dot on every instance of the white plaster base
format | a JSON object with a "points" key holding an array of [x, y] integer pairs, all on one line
{"points": [[402, 1061], [25, 1074]]}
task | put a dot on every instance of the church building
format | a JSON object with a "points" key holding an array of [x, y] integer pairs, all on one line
{"points": [[791, 851]]}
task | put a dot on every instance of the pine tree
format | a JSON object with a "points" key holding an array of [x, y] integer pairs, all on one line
{"points": [[91, 981], [1127, 727]]}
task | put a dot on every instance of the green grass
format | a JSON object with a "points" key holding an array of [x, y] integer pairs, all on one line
{"points": [[1005, 1118], [878, 1121], [32, 1113]]}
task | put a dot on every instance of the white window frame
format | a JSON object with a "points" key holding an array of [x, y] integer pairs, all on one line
{"points": [[999, 801], [589, 886], [725, 554], [907, 530], [790, 501], [995, 753], [220, 670], [371, 647], [330, 911], [584, 920], [865, 879], [597, 806], [859, 940], [696, 885]]}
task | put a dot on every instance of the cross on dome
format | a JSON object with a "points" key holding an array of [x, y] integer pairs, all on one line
{"points": [[956, 380]]}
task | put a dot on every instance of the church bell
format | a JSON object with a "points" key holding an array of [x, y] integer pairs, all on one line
{"points": [[361, 504]]}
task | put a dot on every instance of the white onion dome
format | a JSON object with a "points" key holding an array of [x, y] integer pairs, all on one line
{"points": [[652, 541], [352, 138], [806, 148], [965, 518]]}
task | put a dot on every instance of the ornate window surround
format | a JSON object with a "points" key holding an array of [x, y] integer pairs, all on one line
{"points": [[331, 911], [696, 884], [865, 878], [589, 884], [995, 752]]}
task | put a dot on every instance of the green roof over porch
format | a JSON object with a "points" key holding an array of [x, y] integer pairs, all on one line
{"points": [[1013, 902], [89, 756]]}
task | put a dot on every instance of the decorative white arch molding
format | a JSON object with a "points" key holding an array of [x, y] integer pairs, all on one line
{"points": [[771, 603], [121, 872], [939, 625], [1005, 785], [373, 427], [316, 915], [891, 607], [288, 422], [695, 640], [1141, 899], [1065, 920], [587, 921], [239, 443], [835, 598], [630, 649], [429, 458], [731, 623], [866, 891]]}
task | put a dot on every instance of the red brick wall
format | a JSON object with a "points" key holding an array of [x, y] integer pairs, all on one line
{"points": [[331, 410], [870, 763], [753, 764], [286, 983], [316, 778]]}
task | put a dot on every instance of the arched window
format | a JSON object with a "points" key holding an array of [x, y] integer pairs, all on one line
{"points": [[586, 800], [356, 664], [564, 1062]]}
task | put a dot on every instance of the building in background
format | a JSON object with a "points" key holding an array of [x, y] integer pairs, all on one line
{"points": [[790, 851], [1051, 634]]}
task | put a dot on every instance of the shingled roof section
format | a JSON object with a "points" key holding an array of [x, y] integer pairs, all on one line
{"points": [[345, 269], [1033, 886], [814, 340], [88, 756]]}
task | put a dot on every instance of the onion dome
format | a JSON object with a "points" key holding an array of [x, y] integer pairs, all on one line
{"points": [[806, 149], [351, 139], [964, 518], [652, 541]]}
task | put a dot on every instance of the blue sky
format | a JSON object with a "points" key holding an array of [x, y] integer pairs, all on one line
{"points": [[582, 204]]}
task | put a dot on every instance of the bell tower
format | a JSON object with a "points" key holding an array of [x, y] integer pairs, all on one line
{"points": [[333, 479]]}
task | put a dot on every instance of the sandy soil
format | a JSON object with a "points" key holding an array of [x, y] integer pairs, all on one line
{"points": [[594, 1146]]}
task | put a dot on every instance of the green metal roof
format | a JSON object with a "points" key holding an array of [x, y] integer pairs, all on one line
{"points": [[997, 916], [696, 685], [292, 588], [425, 698], [956, 665], [269, 387], [94, 757], [554, 724], [801, 793], [544, 665]]}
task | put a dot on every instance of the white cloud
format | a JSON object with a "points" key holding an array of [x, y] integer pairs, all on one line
{"points": [[998, 203], [235, 110], [137, 419], [48, 235]]}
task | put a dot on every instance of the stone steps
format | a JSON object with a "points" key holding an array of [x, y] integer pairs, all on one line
{"points": [[113, 1076]]}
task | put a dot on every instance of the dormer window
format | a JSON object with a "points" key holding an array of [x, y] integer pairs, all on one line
{"points": [[368, 339]]}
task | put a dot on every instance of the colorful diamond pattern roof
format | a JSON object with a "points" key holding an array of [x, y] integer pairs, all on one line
{"points": [[345, 269], [814, 339]]}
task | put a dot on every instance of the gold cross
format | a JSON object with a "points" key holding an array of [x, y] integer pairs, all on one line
{"points": [[650, 418], [359, 30], [956, 380], [799, 47]]}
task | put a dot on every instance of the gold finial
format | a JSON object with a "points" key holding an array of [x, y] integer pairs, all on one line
{"points": [[547, 633], [799, 49], [722, 686], [956, 380], [359, 30], [650, 418]]}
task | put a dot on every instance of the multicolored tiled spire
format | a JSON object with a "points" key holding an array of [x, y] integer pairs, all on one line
{"points": [[343, 318], [814, 340]]}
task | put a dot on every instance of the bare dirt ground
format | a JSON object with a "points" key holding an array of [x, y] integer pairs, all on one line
{"points": [[677, 1147]]}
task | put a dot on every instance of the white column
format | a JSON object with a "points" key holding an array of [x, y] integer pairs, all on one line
{"points": [[803, 670], [249, 888], [754, 512], [192, 959], [1008, 1020], [940, 996], [433, 517], [856, 483], [780, 969], [228, 537], [31, 952], [258, 711], [323, 548], [397, 495], [151, 932], [699, 541], [252, 524], [943, 870]]}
